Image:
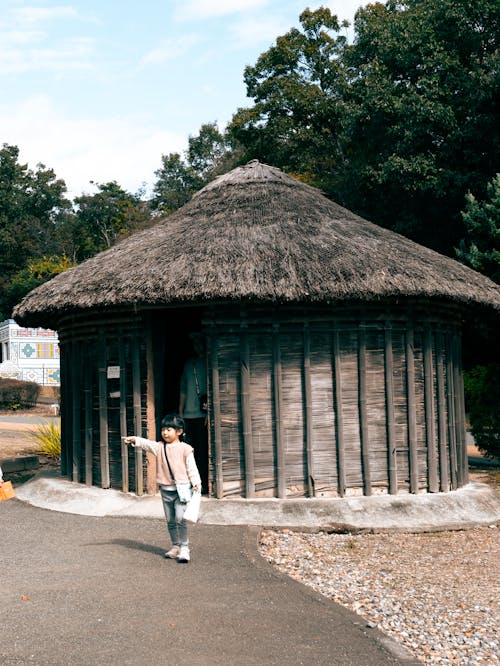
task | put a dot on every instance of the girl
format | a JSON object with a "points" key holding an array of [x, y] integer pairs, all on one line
{"points": [[176, 473]]}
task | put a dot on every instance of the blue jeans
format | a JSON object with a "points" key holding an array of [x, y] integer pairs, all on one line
{"points": [[174, 512]]}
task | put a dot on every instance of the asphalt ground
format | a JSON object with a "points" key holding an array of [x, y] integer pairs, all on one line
{"points": [[96, 590]]}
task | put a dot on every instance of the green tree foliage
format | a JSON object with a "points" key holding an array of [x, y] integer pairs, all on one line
{"points": [[298, 87], [176, 183], [33, 207], [41, 234], [36, 271], [207, 151], [482, 395], [424, 126], [481, 250], [481, 246], [103, 218], [398, 125], [209, 154]]}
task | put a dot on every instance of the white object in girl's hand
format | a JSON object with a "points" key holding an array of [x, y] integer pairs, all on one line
{"points": [[192, 511]]}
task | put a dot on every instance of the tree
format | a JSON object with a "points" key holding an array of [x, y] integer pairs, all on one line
{"points": [[424, 126], [33, 206], [482, 395], [37, 271], [398, 125], [103, 218], [481, 250], [209, 154], [177, 182], [481, 246], [298, 86], [207, 151]]}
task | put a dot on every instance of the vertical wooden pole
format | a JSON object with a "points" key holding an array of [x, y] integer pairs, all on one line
{"points": [[363, 417], [87, 371], [75, 404], [463, 428], [136, 390], [160, 352], [308, 412], [123, 415], [103, 413], [339, 416], [450, 403], [411, 409], [216, 409], [459, 414], [246, 418], [150, 409], [442, 448], [389, 410], [278, 410], [66, 415], [430, 431]]}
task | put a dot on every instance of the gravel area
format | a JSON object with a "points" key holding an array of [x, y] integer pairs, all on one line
{"points": [[436, 593]]}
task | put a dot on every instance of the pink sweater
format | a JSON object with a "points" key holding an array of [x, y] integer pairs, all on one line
{"points": [[181, 458]]}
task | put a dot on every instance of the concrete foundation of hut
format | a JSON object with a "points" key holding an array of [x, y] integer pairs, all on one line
{"points": [[471, 506]]}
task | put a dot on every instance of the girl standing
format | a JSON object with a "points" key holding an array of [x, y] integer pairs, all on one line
{"points": [[176, 474]]}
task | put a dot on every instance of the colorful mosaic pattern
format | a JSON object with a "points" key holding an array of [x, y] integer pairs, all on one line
{"points": [[38, 350], [33, 375], [54, 376], [42, 376]]}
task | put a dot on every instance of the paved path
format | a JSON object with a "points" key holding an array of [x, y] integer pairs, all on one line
{"points": [[19, 422], [84, 590]]}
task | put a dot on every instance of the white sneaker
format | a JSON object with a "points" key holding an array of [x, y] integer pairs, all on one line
{"points": [[183, 555], [172, 553]]}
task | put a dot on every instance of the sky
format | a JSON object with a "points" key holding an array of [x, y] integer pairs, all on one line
{"points": [[99, 90]]}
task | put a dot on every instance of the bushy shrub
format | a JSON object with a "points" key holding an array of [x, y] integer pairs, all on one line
{"points": [[47, 437], [482, 401], [15, 394]]}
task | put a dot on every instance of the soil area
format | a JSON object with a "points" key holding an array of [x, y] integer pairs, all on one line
{"points": [[15, 443]]}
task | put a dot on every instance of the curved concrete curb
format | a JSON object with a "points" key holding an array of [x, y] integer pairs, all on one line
{"points": [[476, 504], [48, 490]]}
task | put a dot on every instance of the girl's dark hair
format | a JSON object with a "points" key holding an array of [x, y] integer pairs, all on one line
{"points": [[173, 421]]}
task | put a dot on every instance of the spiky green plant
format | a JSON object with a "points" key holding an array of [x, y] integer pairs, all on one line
{"points": [[47, 437]]}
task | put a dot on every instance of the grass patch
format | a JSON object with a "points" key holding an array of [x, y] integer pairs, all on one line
{"points": [[47, 438]]}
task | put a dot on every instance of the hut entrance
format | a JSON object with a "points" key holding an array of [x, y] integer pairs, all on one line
{"points": [[183, 377]]}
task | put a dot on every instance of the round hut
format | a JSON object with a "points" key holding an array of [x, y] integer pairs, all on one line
{"points": [[333, 346]]}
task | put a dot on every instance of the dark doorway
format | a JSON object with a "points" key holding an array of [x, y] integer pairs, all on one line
{"points": [[174, 336]]}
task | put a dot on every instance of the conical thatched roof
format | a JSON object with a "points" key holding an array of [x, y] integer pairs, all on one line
{"points": [[257, 234]]}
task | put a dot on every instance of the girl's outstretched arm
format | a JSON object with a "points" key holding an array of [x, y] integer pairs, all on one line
{"points": [[142, 443]]}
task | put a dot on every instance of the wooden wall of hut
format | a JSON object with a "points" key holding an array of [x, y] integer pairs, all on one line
{"points": [[316, 401], [336, 402], [103, 398]]}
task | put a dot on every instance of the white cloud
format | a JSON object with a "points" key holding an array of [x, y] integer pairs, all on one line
{"points": [[127, 149], [38, 14], [69, 55], [169, 50], [253, 31], [27, 45], [344, 9], [201, 9], [21, 37]]}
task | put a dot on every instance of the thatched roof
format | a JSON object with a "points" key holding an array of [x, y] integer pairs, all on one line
{"points": [[256, 234]]}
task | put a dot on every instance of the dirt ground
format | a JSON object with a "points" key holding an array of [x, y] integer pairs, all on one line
{"points": [[15, 443]]}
